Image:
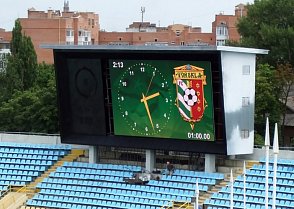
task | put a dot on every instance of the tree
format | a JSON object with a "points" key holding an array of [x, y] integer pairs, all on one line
{"points": [[27, 90], [285, 79], [267, 101], [35, 109], [269, 24], [22, 64]]}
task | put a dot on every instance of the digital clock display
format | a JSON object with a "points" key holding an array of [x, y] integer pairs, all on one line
{"points": [[162, 99]]}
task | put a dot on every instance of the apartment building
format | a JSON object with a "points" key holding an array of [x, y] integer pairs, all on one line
{"points": [[82, 28], [60, 27]]}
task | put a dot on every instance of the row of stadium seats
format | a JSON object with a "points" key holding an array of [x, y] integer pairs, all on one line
{"points": [[284, 194], [261, 180], [280, 174], [96, 204], [280, 168], [22, 163], [69, 170], [103, 166], [29, 156], [255, 188], [198, 174], [189, 179], [84, 184]]}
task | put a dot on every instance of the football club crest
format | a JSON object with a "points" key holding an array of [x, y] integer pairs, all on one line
{"points": [[190, 81]]}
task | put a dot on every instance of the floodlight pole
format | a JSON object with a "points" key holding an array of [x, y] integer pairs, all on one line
{"points": [[231, 191], [196, 205], [244, 183], [276, 152], [267, 145]]}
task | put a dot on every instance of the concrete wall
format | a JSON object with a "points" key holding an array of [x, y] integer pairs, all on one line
{"points": [[35, 139]]}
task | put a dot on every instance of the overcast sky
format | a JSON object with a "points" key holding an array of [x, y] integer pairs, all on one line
{"points": [[116, 15]]}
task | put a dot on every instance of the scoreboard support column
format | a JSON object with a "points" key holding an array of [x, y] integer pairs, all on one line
{"points": [[150, 160], [210, 163], [93, 154]]}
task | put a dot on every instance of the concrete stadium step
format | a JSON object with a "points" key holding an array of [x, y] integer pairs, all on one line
{"points": [[13, 200]]}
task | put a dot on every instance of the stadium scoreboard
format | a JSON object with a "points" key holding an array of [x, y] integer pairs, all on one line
{"points": [[150, 97]]}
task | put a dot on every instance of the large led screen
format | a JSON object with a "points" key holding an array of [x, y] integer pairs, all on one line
{"points": [[162, 99]]}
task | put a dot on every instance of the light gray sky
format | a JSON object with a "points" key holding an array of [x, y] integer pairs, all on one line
{"points": [[116, 15]]}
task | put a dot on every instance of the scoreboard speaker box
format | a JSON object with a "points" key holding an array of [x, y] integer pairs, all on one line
{"points": [[81, 99]]}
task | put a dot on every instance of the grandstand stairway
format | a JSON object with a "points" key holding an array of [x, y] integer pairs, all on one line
{"points": [[30, 189]]}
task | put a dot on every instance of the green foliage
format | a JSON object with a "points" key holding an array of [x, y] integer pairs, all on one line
{"points": [[269, 24], [258, 140], [27, 90], [266, 97]]}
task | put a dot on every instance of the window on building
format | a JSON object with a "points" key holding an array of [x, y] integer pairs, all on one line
{"points": [[93, 22], [246, 69], [140, 38], [155, 39], [222, 30], [244, 134], [178, 32], [173, 43], [220, 42], [182, 43], [1, 65], [89, 21], [245, 101]]}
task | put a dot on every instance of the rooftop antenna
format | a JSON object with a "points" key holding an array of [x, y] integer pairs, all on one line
{"points": [[142, 11]]}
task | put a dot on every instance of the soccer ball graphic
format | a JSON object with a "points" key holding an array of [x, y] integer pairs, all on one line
{"points": [[190, 97]]}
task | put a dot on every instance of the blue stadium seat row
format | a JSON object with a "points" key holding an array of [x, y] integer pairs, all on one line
{"points": [[280, 174], [23, 167], [103, 205], [15, 178], [261, 179], [218, 176], [188, 186], [26, 161], [259, 193], [87, 176], [121, 192], [94, 171], [280, 168], [189, 179], [18, 172], [255, 188], [12, 182], [100, 197], [28, 156], [92, 188], [288, 162], [131, 168]]}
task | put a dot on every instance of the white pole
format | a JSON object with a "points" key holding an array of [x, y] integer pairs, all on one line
{"points": [[232, 192], [267, 145], [276, 152], [244, 182], [196, 205]]}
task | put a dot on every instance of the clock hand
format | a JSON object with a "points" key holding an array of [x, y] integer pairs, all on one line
{"points": [[153, 74], [151, 96], [147, 109]]}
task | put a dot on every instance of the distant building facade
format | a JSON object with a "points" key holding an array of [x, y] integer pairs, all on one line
{"points": [[60, 27], [82, 28], [5, 38]]}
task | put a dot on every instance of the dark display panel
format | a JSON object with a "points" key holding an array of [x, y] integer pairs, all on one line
{"points": [[88, 84], [162, 98]]}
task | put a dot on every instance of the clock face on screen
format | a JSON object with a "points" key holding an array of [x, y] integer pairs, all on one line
{"points": [[144, 98], [162, 99]]}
